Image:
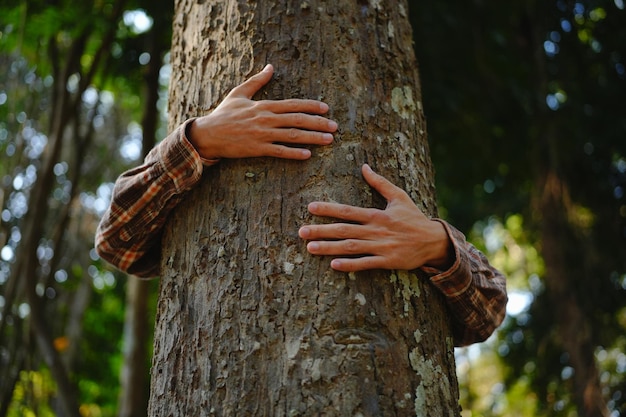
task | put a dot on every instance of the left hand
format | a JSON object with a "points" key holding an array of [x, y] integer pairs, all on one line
{"points": [[398, 237], [243, 128]]}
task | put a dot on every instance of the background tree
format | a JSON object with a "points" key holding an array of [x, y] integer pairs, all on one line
{"points": [[250, 324], [139, 317], [489, 69], [70, 81], [62, 64], [532, 91]]}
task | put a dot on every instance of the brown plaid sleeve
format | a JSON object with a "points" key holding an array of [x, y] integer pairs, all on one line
{"points": [[129, 233], [475, 291]]}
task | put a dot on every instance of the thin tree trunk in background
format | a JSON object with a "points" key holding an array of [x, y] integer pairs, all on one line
{"points": [[28, 262], [25, 279], [573, 328], [134, 374], [552, 199], [248, 322], [134, 377]]}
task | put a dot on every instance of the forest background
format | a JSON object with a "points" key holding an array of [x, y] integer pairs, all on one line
{"points": [[526, 113]]}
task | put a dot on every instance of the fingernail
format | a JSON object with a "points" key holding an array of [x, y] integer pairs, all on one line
{"points": [[303, 232], [324, 107], [312, 207], [327, 137], [332, 125], [313, 246], [267, 68]]}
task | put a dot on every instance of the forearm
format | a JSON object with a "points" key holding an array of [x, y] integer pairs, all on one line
{"points": [[129, 234], [475, 291]]}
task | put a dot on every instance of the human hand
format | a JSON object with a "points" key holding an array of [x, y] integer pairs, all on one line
{"points": [[240, 127], [399, 237]]}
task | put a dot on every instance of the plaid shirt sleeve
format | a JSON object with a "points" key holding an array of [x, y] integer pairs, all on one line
{"points": [[129, 233], [129, 237], [475, 291]]}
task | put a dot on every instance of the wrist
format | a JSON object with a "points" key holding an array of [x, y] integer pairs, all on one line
{"points": [[194, 133], [442, 256]]}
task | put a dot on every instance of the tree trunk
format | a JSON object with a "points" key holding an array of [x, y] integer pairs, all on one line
{"points": [[248, 322], [558, 236], [573, 330], [134, 390], [134, 373]]}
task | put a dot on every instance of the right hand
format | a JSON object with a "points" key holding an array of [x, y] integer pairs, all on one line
{"points": [[240, 127], [398, 237]]}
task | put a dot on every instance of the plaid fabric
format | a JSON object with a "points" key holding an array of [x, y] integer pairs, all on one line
{"points": [[475, 291], [129, 237], [129, 233]]}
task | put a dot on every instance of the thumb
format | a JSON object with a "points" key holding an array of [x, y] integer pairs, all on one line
{"points": [[253, 84], [388, 190]]}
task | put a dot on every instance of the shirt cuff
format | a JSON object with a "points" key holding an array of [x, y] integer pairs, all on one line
{"points": [[206, 162], [456, 279], [179, 160]]}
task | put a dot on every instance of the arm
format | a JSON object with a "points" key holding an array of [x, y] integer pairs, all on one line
{"points": [[474, 290], [402, 237], [129, 233]]}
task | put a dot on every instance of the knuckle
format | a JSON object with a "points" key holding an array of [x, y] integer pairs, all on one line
{"points": [[298, 119], [267, 118], [342, 231], [279, 151], [350, 246], [378, 216], [345, 211], [255, 108]]}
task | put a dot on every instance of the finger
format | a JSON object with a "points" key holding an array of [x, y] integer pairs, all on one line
{"points": [[341, 211], [286, 152], [253, 84], [294, 105], [345, 247], [305, 121], [385, 187], [303, 137], [358, 264], [333, 231]]}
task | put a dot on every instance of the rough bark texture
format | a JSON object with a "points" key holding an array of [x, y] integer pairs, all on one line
{"points": [[248, 322]]}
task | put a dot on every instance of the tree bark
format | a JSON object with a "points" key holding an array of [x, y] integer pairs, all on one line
{"points": [[248, 322], [134, 378]]}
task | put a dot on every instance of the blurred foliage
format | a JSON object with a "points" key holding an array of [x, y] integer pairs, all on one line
{"points": [[511, 90], [94, 54], [33, 393]]}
